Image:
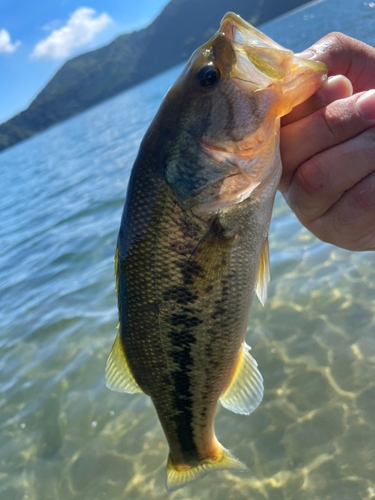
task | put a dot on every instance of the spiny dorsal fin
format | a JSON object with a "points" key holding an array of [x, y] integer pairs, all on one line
{"points": [[180, 477], [117, 373], [246, 389], [263, 273]]}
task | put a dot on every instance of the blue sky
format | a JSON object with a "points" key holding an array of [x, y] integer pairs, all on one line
{"points": [[37, 37]]}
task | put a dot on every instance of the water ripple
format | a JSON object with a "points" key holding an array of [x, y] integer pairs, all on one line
{"points": [[63, 435]]}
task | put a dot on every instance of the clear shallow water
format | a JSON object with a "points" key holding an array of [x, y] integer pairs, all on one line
{"points": [[63, 434]]}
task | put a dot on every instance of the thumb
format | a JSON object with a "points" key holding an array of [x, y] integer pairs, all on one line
{"points": [[346, 56], [333, 89]]}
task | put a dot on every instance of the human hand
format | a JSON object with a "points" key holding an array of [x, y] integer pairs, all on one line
{"points": [[328, 147]]}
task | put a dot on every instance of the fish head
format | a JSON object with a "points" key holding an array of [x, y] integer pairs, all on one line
{"points": [[224, 113]]}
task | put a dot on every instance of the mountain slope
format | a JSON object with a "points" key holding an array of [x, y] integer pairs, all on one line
{"points": [[92, 77]]}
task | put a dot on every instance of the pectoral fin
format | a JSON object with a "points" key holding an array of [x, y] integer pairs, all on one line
{"points": [[117, 372], [210, 260], [263, 273], [246, 390]]}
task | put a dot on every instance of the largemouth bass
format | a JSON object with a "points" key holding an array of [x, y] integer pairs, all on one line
{"points": [[193, 248]]}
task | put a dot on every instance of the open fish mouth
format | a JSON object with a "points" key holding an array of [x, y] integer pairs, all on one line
{"points": [[261, 62]]}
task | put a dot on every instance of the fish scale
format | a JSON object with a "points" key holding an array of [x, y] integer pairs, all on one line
{"points": [[207, 324], [193, 241]]}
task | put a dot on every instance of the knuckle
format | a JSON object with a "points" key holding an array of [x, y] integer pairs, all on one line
{"points": [[349, 223], [337, 121], [336, 42], [361, 244], [331, 126], [363, 198], [369, 137], [320, 229], [339, 39], [336, 230], [342, 222], [333, 42], [310, 177]]}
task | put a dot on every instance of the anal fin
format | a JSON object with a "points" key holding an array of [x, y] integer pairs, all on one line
{"points": [[246, 390], [263, 273], [117, 372]]}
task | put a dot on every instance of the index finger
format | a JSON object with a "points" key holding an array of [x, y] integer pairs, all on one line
{"points": [[346, 56], [333, 89]]}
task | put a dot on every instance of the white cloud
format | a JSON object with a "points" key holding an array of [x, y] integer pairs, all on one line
{"points": [[5, 44], [79, 30], [55, 24]]}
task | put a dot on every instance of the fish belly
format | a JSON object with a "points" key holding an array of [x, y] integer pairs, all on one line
{"points": [[183, 323]]}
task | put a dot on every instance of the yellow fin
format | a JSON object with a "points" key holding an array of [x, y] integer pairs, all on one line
{"points": [[246, 390], [178, 477], [117, 373], [263, 273]]}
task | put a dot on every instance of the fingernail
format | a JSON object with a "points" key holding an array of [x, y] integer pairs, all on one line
{"points": [[366, 105], [335, 81], [306, 54], [336, 87]]}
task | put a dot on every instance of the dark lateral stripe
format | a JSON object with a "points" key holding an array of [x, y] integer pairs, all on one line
{"points": [[182, 338]]}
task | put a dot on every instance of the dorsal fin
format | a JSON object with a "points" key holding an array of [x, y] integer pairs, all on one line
{"points": [[263, 273], [117, 372], [246, 389]]}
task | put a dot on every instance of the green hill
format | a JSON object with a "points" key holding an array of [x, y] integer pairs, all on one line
{"points": [[92, 77]]}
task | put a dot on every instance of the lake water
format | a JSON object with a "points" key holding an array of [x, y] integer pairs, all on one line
{"points": [[63, 434]]}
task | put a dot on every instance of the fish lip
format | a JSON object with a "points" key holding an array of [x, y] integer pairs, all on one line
{"points": [[232, 25], [228, 26], [228, 29], [246, 40]]}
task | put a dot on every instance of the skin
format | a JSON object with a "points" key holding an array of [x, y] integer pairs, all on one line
{"points": [[186, 271], [195, 221], [329, 180]]}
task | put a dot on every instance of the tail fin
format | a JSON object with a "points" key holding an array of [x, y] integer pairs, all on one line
{"points": [[178, 477]]}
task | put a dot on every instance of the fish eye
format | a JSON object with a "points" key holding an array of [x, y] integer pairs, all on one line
{"points": [[208, 76]]}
